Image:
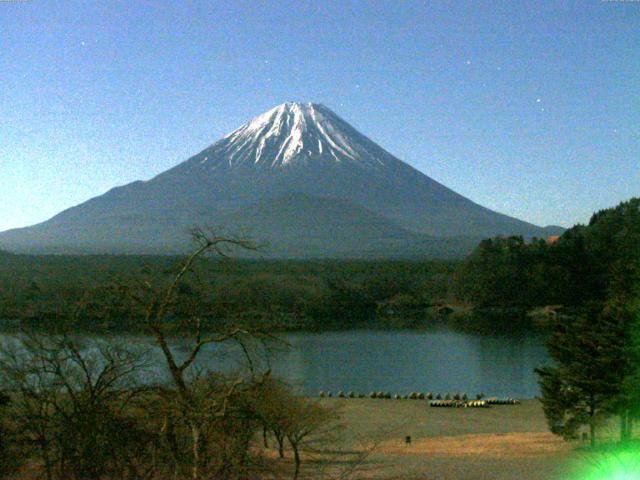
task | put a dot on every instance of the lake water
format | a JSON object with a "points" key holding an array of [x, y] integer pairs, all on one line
{"points": [[406, 361], [438, 361], [401, 362]]}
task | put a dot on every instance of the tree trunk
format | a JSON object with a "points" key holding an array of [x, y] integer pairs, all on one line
{"points": [[264, 437], [592, 425], [195, 435], [44, 447], [280, 440], [48, 469], [296, 457], [625, 426], [628, 426]]}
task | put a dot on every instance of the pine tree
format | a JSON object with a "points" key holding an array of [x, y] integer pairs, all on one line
{"points": [[597, 355], [591, 367], [627, 404]]}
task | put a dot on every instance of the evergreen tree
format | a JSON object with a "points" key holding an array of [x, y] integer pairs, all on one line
{"points": [[591, 367], [627, 403]]}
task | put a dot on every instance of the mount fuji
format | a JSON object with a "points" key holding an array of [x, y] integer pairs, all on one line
{"points": [[297, 177]]}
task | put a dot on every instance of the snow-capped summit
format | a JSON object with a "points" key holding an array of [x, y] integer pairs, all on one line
{"points": [[298, 177], [292, 132]]}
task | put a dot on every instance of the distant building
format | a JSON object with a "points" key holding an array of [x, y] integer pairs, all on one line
{"points": [[552, 238]]}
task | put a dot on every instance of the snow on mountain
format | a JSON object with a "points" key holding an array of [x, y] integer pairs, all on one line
{"points": [[297, 176], [294, 132]]}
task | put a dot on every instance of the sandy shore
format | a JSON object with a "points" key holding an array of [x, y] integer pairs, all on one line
{"points": [[498, 443]]}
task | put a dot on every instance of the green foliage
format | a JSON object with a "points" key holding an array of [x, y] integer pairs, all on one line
{"points": [[508, 273], [345, 302], [590, 368], [63, 292], [503, 279], [597, 351], [587, 264]]}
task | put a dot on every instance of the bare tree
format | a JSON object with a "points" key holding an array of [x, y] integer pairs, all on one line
{"points": [[309, 425], [158, 311], [305, 424], [270, 406], [9, 457], [71, 402]]}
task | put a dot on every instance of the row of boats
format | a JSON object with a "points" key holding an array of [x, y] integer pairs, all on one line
{"points": [[435, 400]]}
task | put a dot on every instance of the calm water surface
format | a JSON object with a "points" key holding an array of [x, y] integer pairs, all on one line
{"points": [[400, 362], [394, 361]]}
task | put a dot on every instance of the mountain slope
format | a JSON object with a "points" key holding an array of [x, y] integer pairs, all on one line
{"points": [[293, 149], [300, 225]]}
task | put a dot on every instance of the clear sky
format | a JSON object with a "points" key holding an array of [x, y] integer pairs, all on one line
{"points": [[531, 108]]}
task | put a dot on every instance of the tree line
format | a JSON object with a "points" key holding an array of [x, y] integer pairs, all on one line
{"points": [[583, 265], [597, 350], [592, 275], [499, 285], [46, 292]]}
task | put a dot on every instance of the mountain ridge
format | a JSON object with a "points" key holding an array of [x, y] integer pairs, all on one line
{"points": [[293, 148]]}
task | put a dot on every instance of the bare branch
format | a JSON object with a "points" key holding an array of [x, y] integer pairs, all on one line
{"points": [[201, 343]]}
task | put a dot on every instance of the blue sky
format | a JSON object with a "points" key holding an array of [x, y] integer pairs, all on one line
{"points": [[529, 108]]}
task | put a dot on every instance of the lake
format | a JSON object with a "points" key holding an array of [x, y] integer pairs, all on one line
{"points": [[406, 361], [437, 361], [399, 362]]}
